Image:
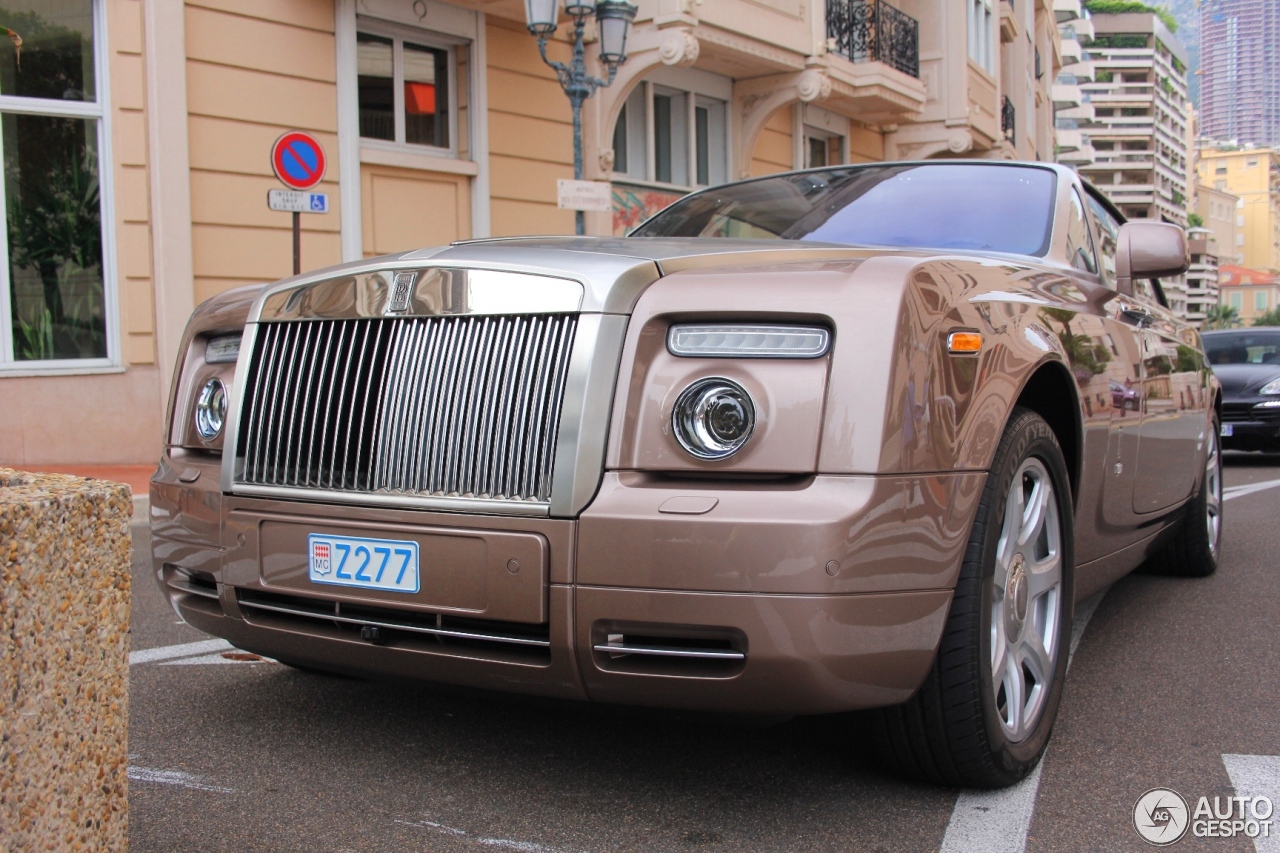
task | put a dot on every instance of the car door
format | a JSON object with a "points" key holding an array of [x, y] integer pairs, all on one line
{"points": [[1175, 391], [1113, 397]]}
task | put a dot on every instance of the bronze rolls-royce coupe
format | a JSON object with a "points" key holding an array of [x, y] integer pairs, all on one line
{"points": [[845, 439]]}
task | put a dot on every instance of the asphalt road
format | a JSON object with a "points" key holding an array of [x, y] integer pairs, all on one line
{"points": [[1168, 678]]}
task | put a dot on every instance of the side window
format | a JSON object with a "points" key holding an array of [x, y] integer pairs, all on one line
{"points": [[1079, 244], [1108, 236]]}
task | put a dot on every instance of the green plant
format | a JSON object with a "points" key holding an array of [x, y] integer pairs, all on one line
{"points": [[1102, 77], [1082, 352], [1119, 7], [1221, 317], [34, 341], [1269, 318], [1195, 220]]}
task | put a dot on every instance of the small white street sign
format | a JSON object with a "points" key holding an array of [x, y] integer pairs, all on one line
{"points": [[296, 201], [585, 195]]}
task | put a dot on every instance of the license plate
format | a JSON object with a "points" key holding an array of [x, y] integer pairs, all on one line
{"points": [[1228, 429], [390, 564]]}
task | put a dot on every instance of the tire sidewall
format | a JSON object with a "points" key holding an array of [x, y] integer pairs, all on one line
{"points": [[1029, 436]]}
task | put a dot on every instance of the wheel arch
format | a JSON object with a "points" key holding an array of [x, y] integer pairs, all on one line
{"points": [[1051, 393]]}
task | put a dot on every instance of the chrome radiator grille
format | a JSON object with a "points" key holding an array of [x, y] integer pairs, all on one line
{"points": [[440, 406]]}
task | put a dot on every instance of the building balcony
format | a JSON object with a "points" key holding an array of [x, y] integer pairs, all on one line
{"points": [[1081, 113], [1078, 158], [1068, 140], [1067, 10], [1009, 28], [1009, 120], [1066, 95], [1071, 51], [873, 31]]}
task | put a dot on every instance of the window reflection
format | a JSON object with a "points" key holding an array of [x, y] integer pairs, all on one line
{"points": [[57, 50], [426, 96], [54, 237], [376, 87]]}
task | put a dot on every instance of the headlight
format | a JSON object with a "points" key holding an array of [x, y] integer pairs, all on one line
{"points": [[1272, 387], [211, 409], [713, 418]]}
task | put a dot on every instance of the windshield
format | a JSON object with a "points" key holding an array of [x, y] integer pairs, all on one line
{"points": [[999, 208], [1251, 347]]}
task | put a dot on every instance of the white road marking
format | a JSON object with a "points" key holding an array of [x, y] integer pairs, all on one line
{"points": [[217, 659], [502, 843], [998, 821], [1258, 776], [182, 650], [1248, 489], [174, 777]]}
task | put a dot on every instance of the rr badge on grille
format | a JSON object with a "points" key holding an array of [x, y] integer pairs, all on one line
{"points": [[401, 292]]}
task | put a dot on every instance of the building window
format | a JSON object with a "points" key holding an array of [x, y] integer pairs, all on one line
{"points": [[822, 148], [405, 90], [57, 299], [675, 136], [1219, 170], [1251, 163], [1236, 300], [981, 33], [1260, 300]]}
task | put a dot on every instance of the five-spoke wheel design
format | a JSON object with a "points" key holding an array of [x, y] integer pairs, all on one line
{"points": [[1026, 600], [1213, 493]]}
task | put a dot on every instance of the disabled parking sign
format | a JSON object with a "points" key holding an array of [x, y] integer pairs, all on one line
{"points": [[298, 160]]}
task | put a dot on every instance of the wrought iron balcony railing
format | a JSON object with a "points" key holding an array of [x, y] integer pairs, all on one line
{"points": [[1008, 120], [874, 31]]}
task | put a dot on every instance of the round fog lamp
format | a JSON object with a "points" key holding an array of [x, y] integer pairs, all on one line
{"points": [[211, 409], [713, 418]]}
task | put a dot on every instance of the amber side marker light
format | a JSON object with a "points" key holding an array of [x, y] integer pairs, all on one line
{"points": [[964, 342]]}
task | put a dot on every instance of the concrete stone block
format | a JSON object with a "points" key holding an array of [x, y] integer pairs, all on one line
{"points": [[64, 662]]}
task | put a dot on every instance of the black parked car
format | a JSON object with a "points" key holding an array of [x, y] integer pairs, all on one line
{"points": [[1247, 363]]}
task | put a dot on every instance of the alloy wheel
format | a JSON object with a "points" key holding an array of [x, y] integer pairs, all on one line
{"points": [[1026, 603]]}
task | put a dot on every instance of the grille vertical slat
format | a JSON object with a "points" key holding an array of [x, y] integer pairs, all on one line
{"points": [[321, 387], [441, 406]]}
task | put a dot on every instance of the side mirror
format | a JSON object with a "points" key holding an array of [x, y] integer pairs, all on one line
{"points": [[1149, 249]]}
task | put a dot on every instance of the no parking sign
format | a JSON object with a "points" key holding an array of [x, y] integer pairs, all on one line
{"points": [[298, 160]]}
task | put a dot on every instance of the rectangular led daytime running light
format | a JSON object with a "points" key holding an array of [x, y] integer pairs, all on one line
{"points": [[222, 350], [741, 340]]}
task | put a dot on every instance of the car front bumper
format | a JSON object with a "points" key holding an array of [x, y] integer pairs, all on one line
{"points": [[1249, 427], [819, 595]]}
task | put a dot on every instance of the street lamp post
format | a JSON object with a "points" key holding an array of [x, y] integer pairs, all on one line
{"points": [[613, 18]]}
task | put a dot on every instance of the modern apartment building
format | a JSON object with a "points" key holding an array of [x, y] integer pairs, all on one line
{"points": [[440, 122], [1240, 71], [1253, 175], [1073, 109], [1139, 129], [1202, 275]]}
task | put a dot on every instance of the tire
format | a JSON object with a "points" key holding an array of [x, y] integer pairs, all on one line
{"points": [[963, 728], [1197, 541]]}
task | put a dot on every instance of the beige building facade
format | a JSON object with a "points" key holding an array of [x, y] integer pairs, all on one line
{"points": [[440, 122], [1252, 175], [1219, 210]]}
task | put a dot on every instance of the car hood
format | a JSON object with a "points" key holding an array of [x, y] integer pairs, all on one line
{"points": [[1245, 379]]}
